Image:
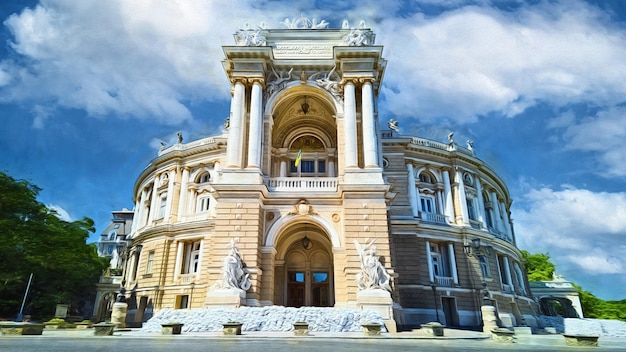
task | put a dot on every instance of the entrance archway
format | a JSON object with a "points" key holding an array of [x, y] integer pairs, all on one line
{"points": [[304, 267]]}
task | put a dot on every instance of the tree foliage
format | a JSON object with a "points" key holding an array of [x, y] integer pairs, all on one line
{"points": [[540, 268], [35, 240]]}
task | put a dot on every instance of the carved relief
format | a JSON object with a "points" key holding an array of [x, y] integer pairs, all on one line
{"points": [[302, 208]]}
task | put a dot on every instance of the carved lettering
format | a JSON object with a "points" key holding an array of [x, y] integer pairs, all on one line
{"points": [[298, 50]]}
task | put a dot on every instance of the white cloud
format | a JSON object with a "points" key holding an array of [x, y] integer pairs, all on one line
{"points": [[148, 59], [584, 232], [61, 213], [476, 60], [604, 134], [134, 58]]}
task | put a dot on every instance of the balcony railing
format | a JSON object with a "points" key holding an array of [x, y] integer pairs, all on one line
{"points": [[187, 278], [444, 281], [436, 218], [300, 184]]}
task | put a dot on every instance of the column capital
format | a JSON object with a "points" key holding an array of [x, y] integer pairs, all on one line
{"points": [[366, 80], [353, 81], [241, 80], [258, 80]]}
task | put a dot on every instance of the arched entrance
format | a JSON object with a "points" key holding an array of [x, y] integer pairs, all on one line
{"points": [[304, 267]]}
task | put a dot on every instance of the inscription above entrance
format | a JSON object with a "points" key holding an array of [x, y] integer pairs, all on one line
{"points": [[294, 50]]}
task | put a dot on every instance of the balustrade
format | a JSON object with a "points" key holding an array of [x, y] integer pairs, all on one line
{"points": [[436, 218], [296, 184], [444, 281]]}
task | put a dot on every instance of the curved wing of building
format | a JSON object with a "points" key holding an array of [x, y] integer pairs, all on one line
{"points": [[316, 198]]}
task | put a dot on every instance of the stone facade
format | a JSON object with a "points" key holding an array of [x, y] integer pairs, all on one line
{"points": [[301, 171]]}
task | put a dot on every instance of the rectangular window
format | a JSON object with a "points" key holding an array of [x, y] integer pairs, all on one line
{"points": [[150, 262], [307, 166], [470, 208], [428, 205], [296, 276], [191, 258], [320, 277], [182, 301], [321, 166], [489, 217], [162, 204], [203, 204], [484, 265], [441, 263]]}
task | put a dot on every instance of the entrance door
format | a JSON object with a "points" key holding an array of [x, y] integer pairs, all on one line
{"points": [[449, 311], [308, 288], [295, 289], [308, 279]]}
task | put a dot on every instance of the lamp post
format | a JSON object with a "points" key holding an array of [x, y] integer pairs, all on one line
{"points": [[123, 250], [434, 287]]}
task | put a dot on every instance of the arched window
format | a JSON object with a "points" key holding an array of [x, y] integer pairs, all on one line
{"points": [[308, 157], [204, 177], [427, 191]]}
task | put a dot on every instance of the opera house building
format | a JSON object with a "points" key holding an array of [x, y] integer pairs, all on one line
{"points": [[315, 200]]}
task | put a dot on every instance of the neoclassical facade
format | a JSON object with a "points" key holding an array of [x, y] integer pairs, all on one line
{"points": [[302, 174]]}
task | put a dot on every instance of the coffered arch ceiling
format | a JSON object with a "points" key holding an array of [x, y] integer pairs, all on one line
{"points": [[304, 111]]}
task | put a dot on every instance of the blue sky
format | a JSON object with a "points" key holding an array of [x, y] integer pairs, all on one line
{"points": [[89, 89]]}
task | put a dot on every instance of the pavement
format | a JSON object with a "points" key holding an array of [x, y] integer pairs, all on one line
{"points": [[134, 340]]}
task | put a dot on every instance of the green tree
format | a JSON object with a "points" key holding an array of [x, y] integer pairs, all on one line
{"points": [[33, 239], [538, 266]]}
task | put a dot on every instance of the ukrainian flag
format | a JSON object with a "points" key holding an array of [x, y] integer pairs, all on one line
{"points": [[298, 157]]}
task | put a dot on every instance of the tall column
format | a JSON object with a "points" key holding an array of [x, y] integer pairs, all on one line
{"points": [[462, 197], [170, 195], [154, 201], [138, 213], [201, 249], [283, 167], [507, 223], [180, 247], [413, 195], [331, 167], [233, 154], [429, 261], [349, 122], [496, 211], [449, 209], [217, 171], [507, 271], [256, 122], [370, 140], [481, 203], [182, 202], [455, 275], [145, 207], [440, 207]]}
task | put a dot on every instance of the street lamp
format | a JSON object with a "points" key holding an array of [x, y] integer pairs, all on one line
{"points": [[125, 249], [434, 287]]}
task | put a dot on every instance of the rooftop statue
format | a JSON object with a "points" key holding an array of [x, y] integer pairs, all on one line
{"points": [[250, 37], [373, 274], [393, 125], [358, 36], [304, 23]]}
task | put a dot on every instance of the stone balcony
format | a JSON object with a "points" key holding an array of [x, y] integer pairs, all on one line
{"points": [[302, 184], [434, 218]]}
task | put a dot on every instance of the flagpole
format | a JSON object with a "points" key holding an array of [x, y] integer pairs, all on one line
{"points": [[19, 316]]}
